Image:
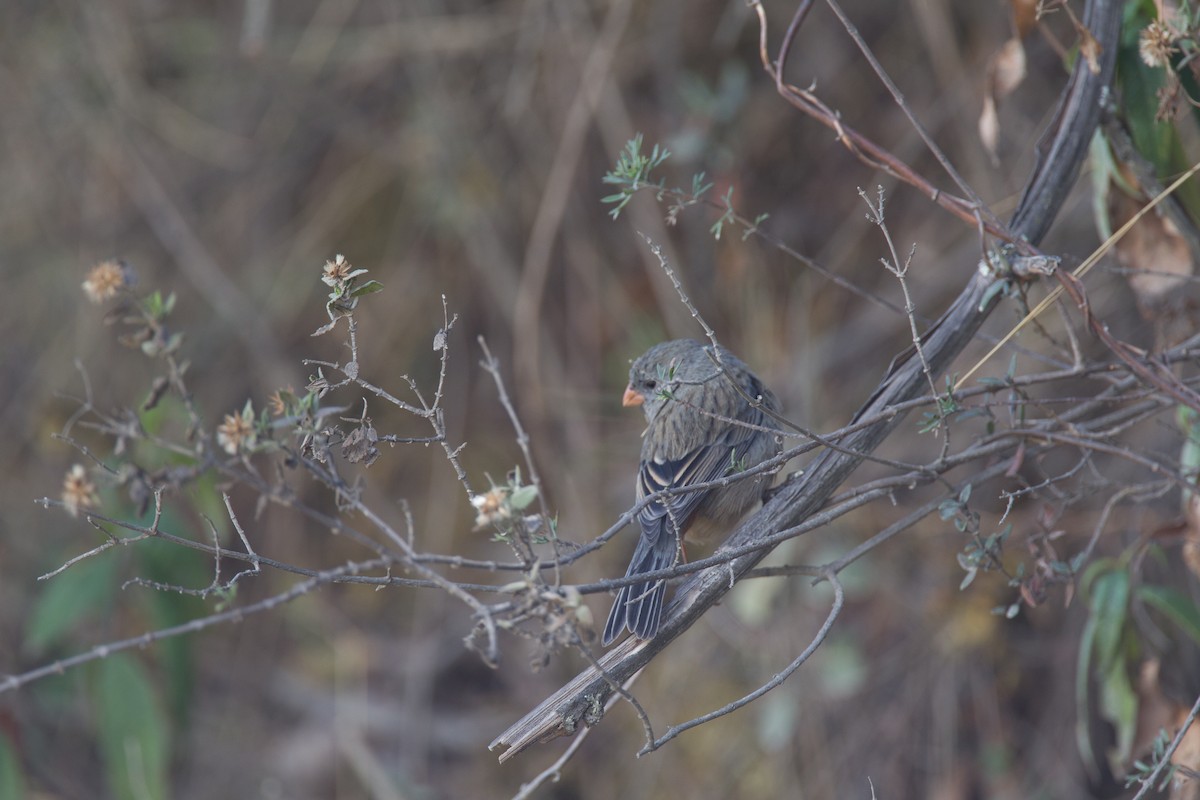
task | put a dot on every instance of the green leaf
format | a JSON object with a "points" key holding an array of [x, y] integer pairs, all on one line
{"points": [[161, 561], [370, 287], [81, 592], [12, 779], [154, 305], [132, 730], [1118, 705], [174, 342], [1109, 610], [968, 578], [521, 498], [1159, 141], [994, 288], [1100, 655], [1103, 170], [1083, 671], [1189, 455], [1177, 606]]}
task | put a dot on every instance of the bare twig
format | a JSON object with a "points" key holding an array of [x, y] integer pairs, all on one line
{"points": [[194, 626], [835, 611], [1149, 781]]}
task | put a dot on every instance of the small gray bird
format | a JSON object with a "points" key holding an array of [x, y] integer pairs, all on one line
{"points": [[691, 404]]}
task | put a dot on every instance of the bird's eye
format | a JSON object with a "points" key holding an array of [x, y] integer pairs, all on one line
{"points": [[651, 384]]}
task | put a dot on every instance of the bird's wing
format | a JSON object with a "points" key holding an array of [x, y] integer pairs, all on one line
{"points": [[705, 463], [639, 605]]}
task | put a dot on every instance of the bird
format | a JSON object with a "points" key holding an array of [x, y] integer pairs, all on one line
{"points": [[708, 417]]}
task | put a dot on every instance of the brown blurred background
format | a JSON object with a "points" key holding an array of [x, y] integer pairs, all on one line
{"points": [[226, 150]]}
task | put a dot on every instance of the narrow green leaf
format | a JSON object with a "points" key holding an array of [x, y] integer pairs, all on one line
{"points": [[968, 578], [1118, 703], [12, 778], [1103, 170], [160, 561], [132, 730], [522, 497], [1083, 672], [1100, 656], [1177, 606], [1109, 607], [85, 590]]}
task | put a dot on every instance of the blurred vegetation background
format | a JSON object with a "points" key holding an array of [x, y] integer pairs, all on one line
{"points": [[456, 149]]}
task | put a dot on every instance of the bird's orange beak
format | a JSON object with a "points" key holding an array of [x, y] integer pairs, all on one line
{"points": [[632, 398]]}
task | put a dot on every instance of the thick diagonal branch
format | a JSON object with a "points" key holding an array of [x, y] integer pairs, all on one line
{"points": [[584, 698]]}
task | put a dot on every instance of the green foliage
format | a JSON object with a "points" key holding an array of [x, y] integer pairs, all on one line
{"points": [[12, 778], [1106, 655], [980, 553], [956, 508], [162, 562], [522, 497], [1142, 770], [85, 592], [345, 291], [133, 733], [1189, 454], [502, 508], [726, 218], [157, 307], [1176, 606], [947, 407], [1153, 96], [632, 173]]}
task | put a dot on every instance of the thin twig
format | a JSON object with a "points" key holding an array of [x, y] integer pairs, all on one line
{"points": [[1149, 781], [194, 626], [777, 680]]}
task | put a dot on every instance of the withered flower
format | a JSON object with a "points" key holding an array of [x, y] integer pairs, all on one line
{"points": [[105, 280], [236, 433], [1156, 44], [78, 490]]}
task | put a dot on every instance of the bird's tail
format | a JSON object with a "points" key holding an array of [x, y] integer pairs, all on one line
{"points": [[639, 605]]}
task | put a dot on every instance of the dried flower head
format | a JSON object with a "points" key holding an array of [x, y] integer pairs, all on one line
{"points": [[1156, 44], [236, 433], [493, 507], [78, 490], [337, 270], [319, 384], [1168, 98], [276, 403], [106, 279]]}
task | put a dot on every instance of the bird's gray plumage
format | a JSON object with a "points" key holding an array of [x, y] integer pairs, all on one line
{"points": [[689, 401]]}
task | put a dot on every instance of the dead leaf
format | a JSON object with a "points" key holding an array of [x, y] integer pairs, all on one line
{"points": [[1154, 251], [1008, 68], [1090, 49], [1005, 72], [360, 445], [989, 128], [1025, 16]]}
